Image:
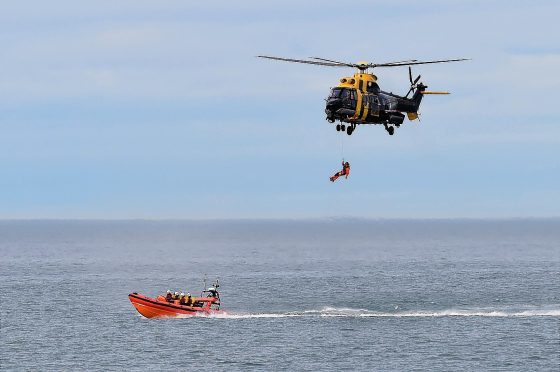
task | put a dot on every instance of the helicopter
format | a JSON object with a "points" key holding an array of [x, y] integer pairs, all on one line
{"points": [[359, 100]]}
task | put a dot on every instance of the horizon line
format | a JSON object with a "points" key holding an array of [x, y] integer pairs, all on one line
{"points": [[285, 219]]}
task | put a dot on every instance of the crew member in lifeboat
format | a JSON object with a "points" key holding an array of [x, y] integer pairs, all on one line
{"points": [[169, 296]]}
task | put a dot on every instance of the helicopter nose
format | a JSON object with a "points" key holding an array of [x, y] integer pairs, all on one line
{"points": [[333, 104]]}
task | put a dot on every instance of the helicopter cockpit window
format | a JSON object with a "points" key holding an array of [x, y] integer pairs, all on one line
{"points": [[372, 87], [335, 93]]}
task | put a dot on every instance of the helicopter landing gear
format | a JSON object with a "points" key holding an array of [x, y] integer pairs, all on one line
{"points": [[343, 128], [390, 130]]}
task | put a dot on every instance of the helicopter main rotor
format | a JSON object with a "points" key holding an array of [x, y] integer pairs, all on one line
{"points": [[362, 66]]}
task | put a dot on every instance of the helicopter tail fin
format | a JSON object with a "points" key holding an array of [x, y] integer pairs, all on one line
{"points": [[418, 95], [416, 100]]}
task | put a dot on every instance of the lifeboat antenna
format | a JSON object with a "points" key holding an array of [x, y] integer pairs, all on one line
{"points": [[203, 288]]}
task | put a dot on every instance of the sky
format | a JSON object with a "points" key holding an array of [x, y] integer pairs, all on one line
{"points": [[160, 109]]}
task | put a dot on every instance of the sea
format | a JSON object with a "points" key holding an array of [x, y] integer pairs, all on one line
{"points": [[298, 295]]}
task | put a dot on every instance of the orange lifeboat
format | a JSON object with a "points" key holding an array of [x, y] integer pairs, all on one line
{"points": [[159, 307]]}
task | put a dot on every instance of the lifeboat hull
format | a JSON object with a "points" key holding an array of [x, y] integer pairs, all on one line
{"points": [[160, 308]]}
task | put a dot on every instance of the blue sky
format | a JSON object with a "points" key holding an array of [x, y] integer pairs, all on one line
{"points": [[159, 109]]}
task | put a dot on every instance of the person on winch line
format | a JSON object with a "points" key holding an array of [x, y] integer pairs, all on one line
{"points": [[344, 172]]}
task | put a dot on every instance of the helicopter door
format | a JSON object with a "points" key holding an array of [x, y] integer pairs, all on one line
{"points": [[374, 105], [352, 95]]}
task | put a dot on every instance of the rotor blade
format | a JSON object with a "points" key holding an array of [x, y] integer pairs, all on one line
{"points": [[355, 64], [396, 62], [410, 75], [417, 78], [410, 90], [393, 64], [303, 61], [337, 62], [430, 92]]}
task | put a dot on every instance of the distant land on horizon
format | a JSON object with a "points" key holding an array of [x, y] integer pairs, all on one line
{"points": [[288, 220]]}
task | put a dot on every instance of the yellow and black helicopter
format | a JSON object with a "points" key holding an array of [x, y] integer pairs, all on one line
{"points": [[359, 100]]}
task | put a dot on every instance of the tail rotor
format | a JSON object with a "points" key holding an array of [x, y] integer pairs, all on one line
{"points": [[413, 83]]}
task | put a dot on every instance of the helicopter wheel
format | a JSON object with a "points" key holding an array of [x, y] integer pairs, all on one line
{"points": [[349, 130], [338, 127], [343, 127], [391, 130]]}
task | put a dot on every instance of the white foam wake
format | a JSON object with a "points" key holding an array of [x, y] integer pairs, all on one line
{"points": [[348, 312]]}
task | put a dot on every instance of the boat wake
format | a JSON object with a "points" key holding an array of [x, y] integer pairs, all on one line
{"points": [[363, 313]]}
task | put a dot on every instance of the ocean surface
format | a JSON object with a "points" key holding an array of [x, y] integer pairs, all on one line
{"points": [[356, 295]]}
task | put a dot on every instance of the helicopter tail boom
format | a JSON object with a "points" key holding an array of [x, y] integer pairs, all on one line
{"points": [[417, 98]]}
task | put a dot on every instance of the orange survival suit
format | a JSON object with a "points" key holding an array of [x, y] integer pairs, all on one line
{"points": [[344, 172]]}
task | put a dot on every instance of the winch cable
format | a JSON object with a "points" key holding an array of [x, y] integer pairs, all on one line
{"points": [[342, 147]]}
